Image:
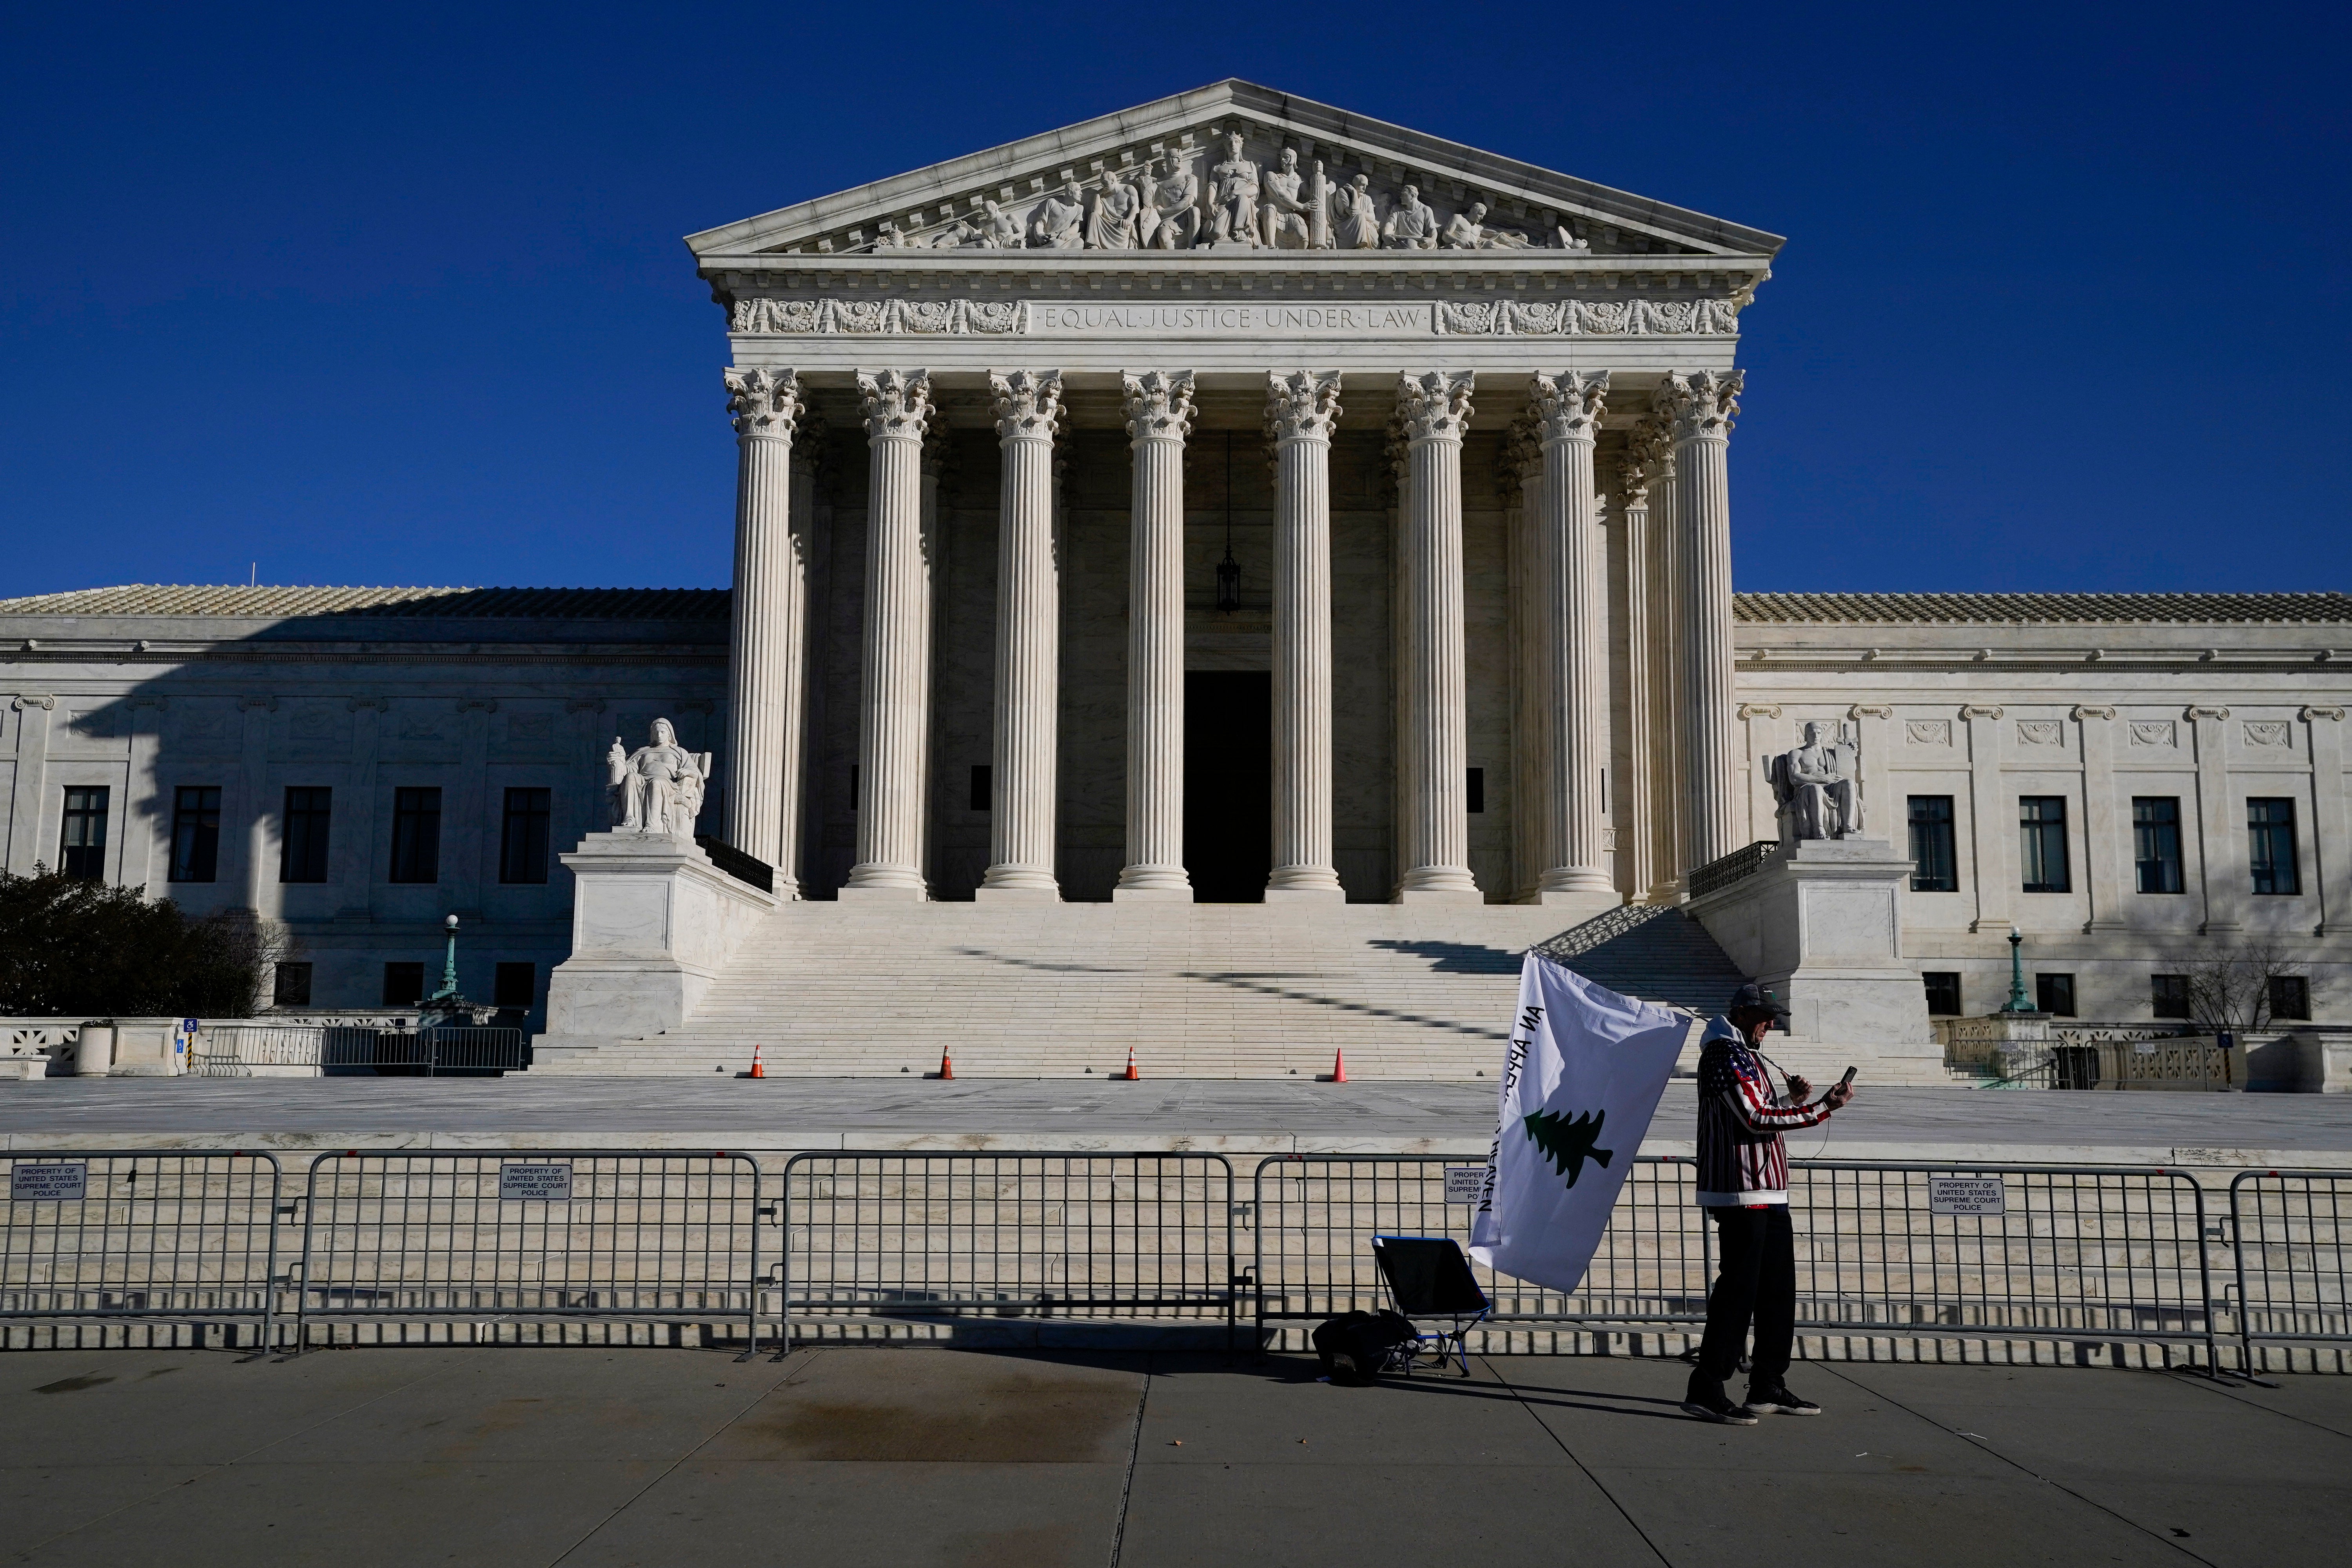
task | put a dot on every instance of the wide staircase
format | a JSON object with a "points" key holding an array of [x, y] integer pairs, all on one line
{"points": [[839, 990]]}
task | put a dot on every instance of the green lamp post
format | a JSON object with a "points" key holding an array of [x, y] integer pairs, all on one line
{"points": [[2017, 1000], [448, 992]]}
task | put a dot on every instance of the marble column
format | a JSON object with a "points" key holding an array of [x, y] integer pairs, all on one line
{"points": [[1655, 436], [1522, 490], [1701, 406], [1159, 413], [1301, 408], [1023, 775], [1635, 812], [1433, 752], [894, 686], [769, 606], [1574, 675]]}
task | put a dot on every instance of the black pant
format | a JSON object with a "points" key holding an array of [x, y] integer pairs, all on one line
{"points": [[1758, 1279]]}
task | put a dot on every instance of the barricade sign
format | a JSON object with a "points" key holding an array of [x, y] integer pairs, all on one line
{"points": [[1966, 1196], [541, 1184], [48, 1184], [1463, 1181]]}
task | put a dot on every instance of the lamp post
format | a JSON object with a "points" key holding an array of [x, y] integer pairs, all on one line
{"points": [[448, 992], [2018, 1001]]}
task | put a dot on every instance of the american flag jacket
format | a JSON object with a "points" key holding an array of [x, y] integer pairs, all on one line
{"points": [[1741, 1120]]}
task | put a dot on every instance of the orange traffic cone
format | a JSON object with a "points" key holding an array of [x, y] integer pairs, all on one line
{"points": [[1130, 1075], [755, 1071], [1339, 1067], [946, 1066]]}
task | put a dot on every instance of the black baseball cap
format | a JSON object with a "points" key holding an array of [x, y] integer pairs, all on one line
{"points": [[1756, 997]]}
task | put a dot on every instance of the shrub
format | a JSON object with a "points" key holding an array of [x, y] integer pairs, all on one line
{"points": [[75, 948]]}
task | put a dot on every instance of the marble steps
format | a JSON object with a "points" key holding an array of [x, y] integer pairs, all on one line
{"points": [[1202, 991]]}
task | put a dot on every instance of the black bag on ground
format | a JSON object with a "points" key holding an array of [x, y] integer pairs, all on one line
{"points": [[1355, 1346]]}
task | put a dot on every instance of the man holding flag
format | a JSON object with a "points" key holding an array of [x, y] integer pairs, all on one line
{"points": [[1743, 1183]]}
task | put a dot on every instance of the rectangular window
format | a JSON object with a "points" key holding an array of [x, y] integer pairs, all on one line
{"points": [[2269, 834], [2290, 997], [2041, 823], [1943, 991], [416, 836], [1935, 864], [522, 840], [302, 853], [404, 985], [853, 789], [515, 985], [2168, 995], [983, 786], [1477, 789], [290, 987], [81, 847], [195, 832], [2156, 842], [2055, 994]]}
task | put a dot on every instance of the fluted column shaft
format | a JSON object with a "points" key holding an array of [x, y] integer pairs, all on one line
{"points": [[1301, 408], [1159, 414], [1702, 406], [1665, 693], [894, 686], [1432, 754], [770, 614], [1024, 773], [1523, 491], [1574, 670], [1633, 810]]}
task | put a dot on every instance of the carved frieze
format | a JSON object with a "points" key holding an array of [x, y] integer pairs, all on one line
{"points": [[2268, 733], [2153, 733], [1929, 731], [831, 317], [2040, 732]]}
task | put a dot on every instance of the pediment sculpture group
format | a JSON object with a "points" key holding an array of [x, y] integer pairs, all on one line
{"points": [[1245, 206]]}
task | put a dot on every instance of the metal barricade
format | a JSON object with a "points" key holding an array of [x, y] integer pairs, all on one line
{"points": [[183, 1237], [541, 1235], [2065, 1254], [2096, 1254], [333, 1050], [2290, 1231], [1315, 1216], [909, 1236]]}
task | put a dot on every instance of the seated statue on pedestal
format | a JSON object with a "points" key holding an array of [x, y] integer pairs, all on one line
{"points": [[658, 788], [1815, 785]]}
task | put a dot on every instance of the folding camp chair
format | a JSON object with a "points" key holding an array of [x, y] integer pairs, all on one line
{"points": [[1428, 1278]]}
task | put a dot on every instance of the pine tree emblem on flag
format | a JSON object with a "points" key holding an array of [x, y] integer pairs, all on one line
{"points": [[1568, 1143]]}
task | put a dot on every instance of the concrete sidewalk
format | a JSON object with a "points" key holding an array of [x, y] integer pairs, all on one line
{"points": [[596, 1460]]}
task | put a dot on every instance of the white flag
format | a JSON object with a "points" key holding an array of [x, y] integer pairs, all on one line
{"points": [[1582, 1079]]}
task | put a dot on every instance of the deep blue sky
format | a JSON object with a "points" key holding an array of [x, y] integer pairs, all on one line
{"points": [[396, 294]]}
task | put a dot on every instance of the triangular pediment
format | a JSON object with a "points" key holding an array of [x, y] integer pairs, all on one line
{"points": [[1167, 156]]}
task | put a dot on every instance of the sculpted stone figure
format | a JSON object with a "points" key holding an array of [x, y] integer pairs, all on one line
{"points": [[1059, 224], [658, 788], [1413, 226], [1356, 224], [1234, 196], [1113, 224], [1468, 231], [1282, 213], [887, 237], [1176, 209], [1003, 231], [1815, 786]]}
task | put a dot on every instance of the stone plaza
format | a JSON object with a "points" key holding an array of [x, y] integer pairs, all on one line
{"points": [[1222, 578]]}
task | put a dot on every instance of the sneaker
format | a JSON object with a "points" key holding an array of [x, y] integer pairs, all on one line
{"points": [[1778, 1400], [1709, 1402]]}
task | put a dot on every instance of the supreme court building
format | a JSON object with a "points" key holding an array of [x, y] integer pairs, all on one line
{"points": [[1233, 501]]}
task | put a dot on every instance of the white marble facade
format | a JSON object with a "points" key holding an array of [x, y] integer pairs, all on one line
{"points": [[1466, 428]]}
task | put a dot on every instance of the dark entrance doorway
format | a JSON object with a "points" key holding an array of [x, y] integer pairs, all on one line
{"points": [[1228, 785]]}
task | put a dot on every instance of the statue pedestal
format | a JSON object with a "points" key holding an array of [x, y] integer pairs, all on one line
{"points": [[653, 923], [1820, 926]]}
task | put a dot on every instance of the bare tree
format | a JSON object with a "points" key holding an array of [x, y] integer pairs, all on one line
{"points": [[2232, 990], [246, 950]]}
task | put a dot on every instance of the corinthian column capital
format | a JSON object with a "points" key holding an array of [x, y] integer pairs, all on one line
{"points": [[763, 402], [896, 402], [1435, 405], [1158, 404], [1700, 404], [1028, 404], [1648, 461], [1568, 406], [1301, 404]]}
